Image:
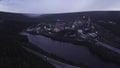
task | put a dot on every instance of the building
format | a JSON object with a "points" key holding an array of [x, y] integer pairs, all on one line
{"points": [[77, 24], [59, 25]]}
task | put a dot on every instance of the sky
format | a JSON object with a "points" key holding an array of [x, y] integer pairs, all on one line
{"points": [[58, 6]]}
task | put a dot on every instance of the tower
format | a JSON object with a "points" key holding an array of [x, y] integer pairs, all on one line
{"points": [[87, 25], [88, 22]]}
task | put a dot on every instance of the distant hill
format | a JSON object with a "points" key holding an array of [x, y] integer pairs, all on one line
{"points": [[95, 15], [12, 23], [17, 20], [14, 16]]}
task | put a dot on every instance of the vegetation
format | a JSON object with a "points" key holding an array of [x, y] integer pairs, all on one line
{"points": [[12, 55]]}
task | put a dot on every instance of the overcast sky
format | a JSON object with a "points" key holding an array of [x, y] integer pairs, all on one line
{"points": [[57, 6]]}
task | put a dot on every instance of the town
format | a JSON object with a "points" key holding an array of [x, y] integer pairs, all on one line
{"points": [[79, 29]]}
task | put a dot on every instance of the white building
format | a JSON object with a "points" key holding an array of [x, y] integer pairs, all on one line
{"points": [[56, 29]]}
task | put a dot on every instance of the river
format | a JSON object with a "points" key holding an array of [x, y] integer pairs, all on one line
{"points": [[74, 53]]}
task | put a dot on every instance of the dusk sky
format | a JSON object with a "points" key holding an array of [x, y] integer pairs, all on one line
{"points": [[58, 6]]}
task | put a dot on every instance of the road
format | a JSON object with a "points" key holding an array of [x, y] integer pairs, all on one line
{"points": [[50, 60], [108, 47]]}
